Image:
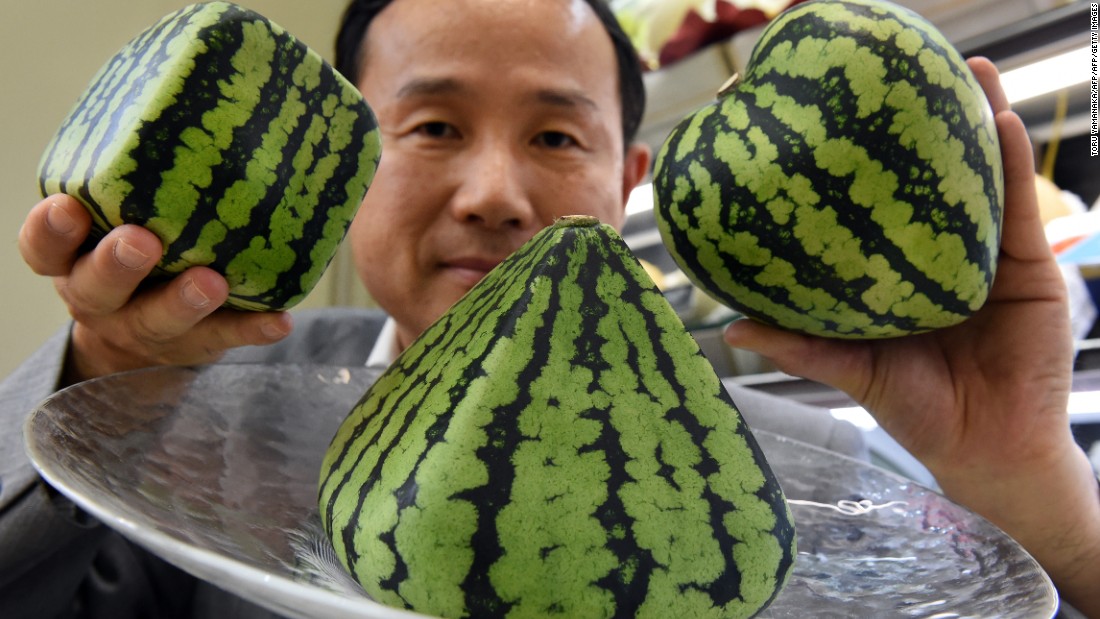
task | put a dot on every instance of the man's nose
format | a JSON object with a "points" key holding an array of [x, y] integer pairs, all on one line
{"points": [[493, 189]]}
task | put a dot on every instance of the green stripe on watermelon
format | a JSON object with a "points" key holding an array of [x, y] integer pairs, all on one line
{"points": [[237, 145], [556, 444], [849, 185]]}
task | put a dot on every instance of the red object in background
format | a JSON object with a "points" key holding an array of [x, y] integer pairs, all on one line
{"points": [[696, 33]]}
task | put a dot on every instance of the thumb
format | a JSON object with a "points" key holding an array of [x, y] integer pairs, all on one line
{"points": [[839, 363]]}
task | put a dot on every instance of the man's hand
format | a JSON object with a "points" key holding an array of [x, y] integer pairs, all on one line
{"points": [[120, 325], [983, 404]]}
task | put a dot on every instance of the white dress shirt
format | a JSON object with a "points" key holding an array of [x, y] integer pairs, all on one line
{"points": [[385, 347]]}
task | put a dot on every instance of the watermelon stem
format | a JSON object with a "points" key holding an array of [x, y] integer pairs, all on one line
{"points": [[579, 221], [731, 84]]}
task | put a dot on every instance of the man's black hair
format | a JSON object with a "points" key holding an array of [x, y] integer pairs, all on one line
{"points": [[360, 13]]}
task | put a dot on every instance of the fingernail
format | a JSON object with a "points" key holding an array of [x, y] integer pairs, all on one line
{"points": [[274, 330], [129, 256], [193, 296], [58, 220]]}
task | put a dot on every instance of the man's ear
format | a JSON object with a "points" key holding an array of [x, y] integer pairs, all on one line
{"points": [[635, 167]]}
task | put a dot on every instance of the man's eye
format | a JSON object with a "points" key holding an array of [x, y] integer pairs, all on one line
{"points": [[555, 139], [436, 129]]}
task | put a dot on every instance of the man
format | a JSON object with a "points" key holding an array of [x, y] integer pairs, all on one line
{"points": [[497, 117]]}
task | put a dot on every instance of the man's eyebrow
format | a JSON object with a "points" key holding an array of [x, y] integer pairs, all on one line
{"points": [[429, 86], [565, 98]]}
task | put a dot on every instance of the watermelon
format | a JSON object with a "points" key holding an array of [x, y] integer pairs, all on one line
{"points": [[240, 147], [848, 185], [556, 444]]}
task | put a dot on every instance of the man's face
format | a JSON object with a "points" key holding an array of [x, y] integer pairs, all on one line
{"points": [[497, 117]]}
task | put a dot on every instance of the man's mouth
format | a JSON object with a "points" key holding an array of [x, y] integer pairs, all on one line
{"points": [[470, 270]]}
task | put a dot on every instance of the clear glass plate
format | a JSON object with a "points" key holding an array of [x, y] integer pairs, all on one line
{"points": [[215, 468]]}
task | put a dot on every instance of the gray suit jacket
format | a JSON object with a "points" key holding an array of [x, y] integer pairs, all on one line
{"points": [[56, 561]]}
